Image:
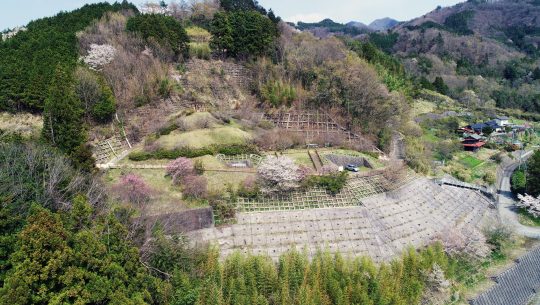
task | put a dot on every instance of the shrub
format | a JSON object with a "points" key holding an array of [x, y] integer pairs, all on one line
{"points": [[333, 183], [140, 156], [200, 50], [198, 166], [195, 187], [167, 129], [187, 152], [249, 188], [518, 182], [180, 169]]}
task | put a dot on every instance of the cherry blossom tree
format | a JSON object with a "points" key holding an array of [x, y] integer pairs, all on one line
{"points": [[179, 169], [529, 203], [278, 174], [133, 189], [99, 56]]}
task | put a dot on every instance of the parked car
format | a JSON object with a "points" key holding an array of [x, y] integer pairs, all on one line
{"points": [[352, 168]]}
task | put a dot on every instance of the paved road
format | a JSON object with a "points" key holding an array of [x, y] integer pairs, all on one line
{"points": [[506, 202]]}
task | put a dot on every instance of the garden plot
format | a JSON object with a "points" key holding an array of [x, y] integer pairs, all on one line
{"points": [[382, 227]]}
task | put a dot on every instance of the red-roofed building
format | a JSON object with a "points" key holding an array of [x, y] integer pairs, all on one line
{"points": [[473, 142]]}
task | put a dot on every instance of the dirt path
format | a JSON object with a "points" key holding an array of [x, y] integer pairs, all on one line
{"points": [[506, 200], [316, 159], [397, 147]]}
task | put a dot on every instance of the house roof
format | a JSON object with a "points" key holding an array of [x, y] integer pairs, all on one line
{"points": [[474, 136], [478, 126], [477, 144], [493, 124], [503, 118]]}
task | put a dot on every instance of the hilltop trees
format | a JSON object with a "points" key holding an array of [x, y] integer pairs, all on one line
{"points": [[165, 30], [29, 59], [62, 113], [243, 33]]}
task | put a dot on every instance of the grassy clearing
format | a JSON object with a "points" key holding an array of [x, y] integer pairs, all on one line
{"points": [[422, 106], [220, 181], [167, 198], [470, 161], [201, 138], [300, 157]]}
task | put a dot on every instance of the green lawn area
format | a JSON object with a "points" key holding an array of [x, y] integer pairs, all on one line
{"points": [[527, 219], [422, 106], [300, 157], [470, 161], [204, 137]]}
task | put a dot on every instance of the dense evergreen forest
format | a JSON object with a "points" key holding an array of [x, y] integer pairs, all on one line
{"points": [[29, 59]]}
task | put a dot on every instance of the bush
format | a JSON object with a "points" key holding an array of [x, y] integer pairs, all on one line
{"points": [[140, 156], [195, 187], [518, 182], [198, 166], [249, 188], [200, 50], [333, 183], [167, 129], [187, 152]]}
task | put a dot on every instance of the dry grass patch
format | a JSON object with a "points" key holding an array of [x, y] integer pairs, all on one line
{"points": [[24, 124]]}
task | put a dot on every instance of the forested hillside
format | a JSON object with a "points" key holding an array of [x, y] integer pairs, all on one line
{"points": [[141, 117], [490, 49], [29, 59]]}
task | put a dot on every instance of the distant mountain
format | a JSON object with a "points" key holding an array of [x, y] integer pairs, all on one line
{"points": [[383, 24], [358, 25], [328, 26]]}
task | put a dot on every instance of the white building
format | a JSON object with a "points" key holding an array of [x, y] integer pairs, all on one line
{"points": [[502, 121]]}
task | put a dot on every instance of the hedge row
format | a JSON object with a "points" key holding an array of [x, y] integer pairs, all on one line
{"points": [[228, 150]]}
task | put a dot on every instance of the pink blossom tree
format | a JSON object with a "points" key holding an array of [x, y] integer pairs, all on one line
{"points": [[133, 189], [179, 169]]}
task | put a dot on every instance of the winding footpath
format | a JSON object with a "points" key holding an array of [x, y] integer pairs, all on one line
{"points": [[507, 211]]}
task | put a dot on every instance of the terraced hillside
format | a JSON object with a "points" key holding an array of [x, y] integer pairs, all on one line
{"points": [[381, 226]]}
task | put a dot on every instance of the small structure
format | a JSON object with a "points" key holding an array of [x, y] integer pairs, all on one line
{"points": [[494, 125], [502, 121], [473, 142]]}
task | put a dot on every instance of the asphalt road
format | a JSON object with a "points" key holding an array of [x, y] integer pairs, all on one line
{"points": [[507, 210]]}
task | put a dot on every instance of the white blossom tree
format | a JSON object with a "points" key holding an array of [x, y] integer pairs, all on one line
{"points": [[529, 203], [99, 55], [278, 174]]}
